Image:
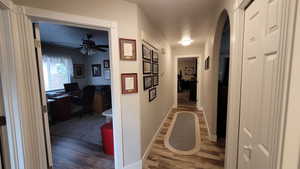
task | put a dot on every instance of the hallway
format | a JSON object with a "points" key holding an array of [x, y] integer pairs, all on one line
{"points": [[210, 155]]}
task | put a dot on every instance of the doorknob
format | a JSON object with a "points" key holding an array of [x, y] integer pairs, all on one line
{"points": [[248, 150]]}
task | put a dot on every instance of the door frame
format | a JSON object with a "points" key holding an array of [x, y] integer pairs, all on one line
{"points": [[13, 154], [198, 105], [33, 138], [233, 118]]}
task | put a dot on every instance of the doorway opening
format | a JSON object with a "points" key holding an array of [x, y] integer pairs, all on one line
{"points": [[187, 81], [75, 84], [223, 80]]}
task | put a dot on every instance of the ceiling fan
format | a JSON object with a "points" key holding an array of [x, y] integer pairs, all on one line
{"points": [[89, 47]]}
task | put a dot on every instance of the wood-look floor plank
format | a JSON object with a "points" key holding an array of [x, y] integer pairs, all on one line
{"points": [[73, 154], [210, 156]]}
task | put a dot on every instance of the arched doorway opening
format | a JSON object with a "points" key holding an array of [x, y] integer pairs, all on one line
{"points": [[221, 76], [223, 80]]}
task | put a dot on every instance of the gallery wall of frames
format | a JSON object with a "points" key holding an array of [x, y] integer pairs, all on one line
{"points": [[150, 70]]}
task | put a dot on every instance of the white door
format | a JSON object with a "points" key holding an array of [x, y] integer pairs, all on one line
{"points": [[39, 56], [4, 148], [259, 118], [1, 135]]}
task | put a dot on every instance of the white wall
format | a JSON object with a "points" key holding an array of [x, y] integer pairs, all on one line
{"points": [[291, 148], [152, 113], [126, 15], [196, 50]]}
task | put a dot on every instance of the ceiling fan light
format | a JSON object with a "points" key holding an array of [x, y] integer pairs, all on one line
{"points": [[91, 52], [83, 50]]}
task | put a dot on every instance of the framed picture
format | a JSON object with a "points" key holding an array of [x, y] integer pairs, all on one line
{"points": [[152, 94], [129, 83], [146, 53], [154, 56], [96, 70], [106, 64], [78, 71], [127, 49], [155, 68], [107, 74], [155, 80], [147, 67], [207, 60], [148, 82]]}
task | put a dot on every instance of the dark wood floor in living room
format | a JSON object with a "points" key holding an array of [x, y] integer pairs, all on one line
{"points": [[74, 154]]}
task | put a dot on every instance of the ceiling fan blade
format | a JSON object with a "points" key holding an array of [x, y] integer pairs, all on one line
{"points": [[102, 46], [100, 49]]}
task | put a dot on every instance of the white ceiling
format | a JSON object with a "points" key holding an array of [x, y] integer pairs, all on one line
{"points": [[70, 36], [180, 18]]}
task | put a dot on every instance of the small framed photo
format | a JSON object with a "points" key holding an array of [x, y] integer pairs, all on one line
{"points": [[78, 71], [127, 49], [147, 67], [207, 60], [152, 94], [106, 64], [155, 68], [107, 74], [154, 56], [146, 53], [155, 80], [129, 83], [148, 82], [96, 70]]}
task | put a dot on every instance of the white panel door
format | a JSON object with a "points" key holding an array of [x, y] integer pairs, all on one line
{"points": [[259, 118], [39, 56]]}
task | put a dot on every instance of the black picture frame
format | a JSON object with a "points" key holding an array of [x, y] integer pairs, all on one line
{"points": [[155, 80], [148, 82], [147, 67], [146, 52], [152, 94], [154, 56], [155, 68], [106, 64], [78, 71], [207, 63], [96, 70]]}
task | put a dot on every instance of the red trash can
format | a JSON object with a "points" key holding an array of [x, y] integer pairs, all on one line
{"points": [[107, 138]]}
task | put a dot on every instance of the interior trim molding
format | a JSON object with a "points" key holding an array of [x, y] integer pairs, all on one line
{"points": [[136, 165], [32, 138], [211, 137]]}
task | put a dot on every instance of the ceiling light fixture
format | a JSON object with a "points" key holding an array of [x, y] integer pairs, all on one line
{"points": [[186, 42]]}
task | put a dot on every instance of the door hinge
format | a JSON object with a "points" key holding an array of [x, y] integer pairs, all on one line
{"points": [[44, 109], [37, 43], [2, 121]]}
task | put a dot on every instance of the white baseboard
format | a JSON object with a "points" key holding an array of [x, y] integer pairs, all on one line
{"points": [[211, 137], [174, 106], [155, 135], [200, 108], [137, 165]]}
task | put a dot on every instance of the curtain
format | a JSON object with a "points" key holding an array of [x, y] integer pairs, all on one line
{"points": [[57, 71]]}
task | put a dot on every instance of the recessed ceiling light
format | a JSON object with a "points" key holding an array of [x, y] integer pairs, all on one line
{"points": [[186, 42]]}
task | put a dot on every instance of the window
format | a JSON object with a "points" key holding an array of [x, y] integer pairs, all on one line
{"points": [[57, 71]]}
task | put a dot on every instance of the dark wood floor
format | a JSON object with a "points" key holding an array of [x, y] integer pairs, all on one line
{"points": [[73, 154]]}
